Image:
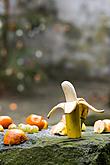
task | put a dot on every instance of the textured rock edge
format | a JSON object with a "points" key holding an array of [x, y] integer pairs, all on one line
{"points": [[90, 149]]}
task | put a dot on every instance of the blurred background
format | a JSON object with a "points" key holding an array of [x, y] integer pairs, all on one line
{"points": [[43, 43]]}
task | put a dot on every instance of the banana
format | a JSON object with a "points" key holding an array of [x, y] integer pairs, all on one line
{"points": [[101, 126], [75, 110], [60, 127]]}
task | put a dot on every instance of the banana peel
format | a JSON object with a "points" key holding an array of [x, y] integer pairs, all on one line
{"points": [[83, 127]]}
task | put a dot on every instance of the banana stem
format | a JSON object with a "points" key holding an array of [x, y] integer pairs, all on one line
{"points": [[73, 123]]}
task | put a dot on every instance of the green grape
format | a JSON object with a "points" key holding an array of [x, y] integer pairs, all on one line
{"points": [[28, 128], [22, 127], [35, 129]]}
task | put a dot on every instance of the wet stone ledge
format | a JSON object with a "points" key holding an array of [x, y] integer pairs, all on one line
{"points": [[43, 148]]}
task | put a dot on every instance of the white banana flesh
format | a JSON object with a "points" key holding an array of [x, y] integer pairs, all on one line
{"points": [[101, 126]]}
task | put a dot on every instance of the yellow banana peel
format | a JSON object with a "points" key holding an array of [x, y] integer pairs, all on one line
{"points": [[83, 127]]}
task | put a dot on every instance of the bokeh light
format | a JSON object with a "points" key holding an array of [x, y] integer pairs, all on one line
{"points": [[13, 106]]}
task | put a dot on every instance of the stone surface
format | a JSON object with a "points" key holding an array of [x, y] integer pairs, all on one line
{"points": [[43, 148]]}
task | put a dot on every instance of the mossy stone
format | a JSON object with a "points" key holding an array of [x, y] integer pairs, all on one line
{"points": [[43, 148]]}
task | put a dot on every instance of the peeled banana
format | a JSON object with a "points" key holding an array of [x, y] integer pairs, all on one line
{"points": [[75, 110], [101, 126]]}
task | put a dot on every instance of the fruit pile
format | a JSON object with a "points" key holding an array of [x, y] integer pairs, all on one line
{"points": [[34, 123], [17, 134]]}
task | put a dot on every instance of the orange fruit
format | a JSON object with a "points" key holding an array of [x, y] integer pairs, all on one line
{"points": [[5, 121], [35, 120], [14, 136]]}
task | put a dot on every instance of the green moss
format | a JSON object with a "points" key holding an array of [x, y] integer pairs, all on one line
{"points": [[42, 148]]}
